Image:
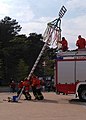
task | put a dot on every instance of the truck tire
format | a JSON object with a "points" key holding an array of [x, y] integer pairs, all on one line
{"points": [[82, 95]]}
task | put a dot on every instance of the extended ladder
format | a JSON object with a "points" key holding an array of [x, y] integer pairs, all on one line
{"points": [[52, 26]]}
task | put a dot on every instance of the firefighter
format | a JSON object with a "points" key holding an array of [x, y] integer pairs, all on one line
{"points": [[13, 86], [36, 88], [80, 43], [26, 86], [64, 44]]}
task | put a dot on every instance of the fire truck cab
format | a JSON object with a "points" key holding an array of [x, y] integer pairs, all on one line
{"points": [[70, 73]]}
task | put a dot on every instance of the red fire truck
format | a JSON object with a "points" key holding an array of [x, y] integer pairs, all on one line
{"points": [[70, 73]]}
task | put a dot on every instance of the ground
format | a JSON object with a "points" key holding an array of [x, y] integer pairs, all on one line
{"points": [[53, 107]]}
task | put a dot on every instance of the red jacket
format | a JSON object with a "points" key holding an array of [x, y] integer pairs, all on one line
{"points": [[81, 43], [64, 44], [27, 85], [20, 85], [36, 82]]}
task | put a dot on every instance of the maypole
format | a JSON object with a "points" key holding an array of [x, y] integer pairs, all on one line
{"points": [[52, 34]]}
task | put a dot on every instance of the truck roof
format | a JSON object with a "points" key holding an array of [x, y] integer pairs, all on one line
{"points": [[80, 54]]}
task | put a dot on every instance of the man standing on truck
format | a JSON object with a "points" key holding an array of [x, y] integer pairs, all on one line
{"points": [[81, 43], [64, 44]]}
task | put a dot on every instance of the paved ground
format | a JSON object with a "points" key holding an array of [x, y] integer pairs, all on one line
{"points": [[53, 107]]}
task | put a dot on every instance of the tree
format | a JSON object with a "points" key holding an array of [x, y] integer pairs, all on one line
{"points": [[9, 28], [33, 49], [22, 70], [18, 53], [48, 68]]}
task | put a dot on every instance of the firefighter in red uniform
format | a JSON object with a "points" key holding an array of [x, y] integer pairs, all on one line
{"points": [[36, 88], [26, 86], [13, 86], [80, 42], [26, 83], [64, 44]]}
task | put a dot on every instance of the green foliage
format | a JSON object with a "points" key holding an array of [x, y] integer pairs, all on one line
{"points": [[9, 28], [22, 70], [18, 53], [1, 73]]}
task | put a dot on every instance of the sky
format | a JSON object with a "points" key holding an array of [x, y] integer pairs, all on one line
{"points": [[33, 16]]}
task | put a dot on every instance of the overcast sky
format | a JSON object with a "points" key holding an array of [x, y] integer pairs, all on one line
{"points": [[33, 16]]}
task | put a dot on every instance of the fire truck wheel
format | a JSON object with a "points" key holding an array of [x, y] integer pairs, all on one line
{"points": [[82, 95]]}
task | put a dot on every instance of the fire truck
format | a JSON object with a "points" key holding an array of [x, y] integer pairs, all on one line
{"points": [[70, 73]]}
